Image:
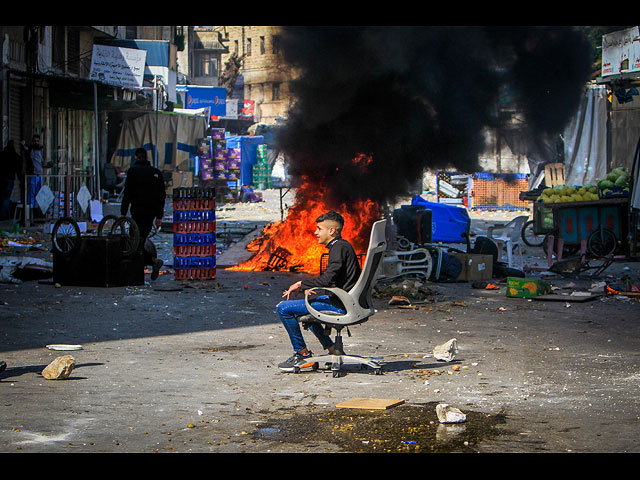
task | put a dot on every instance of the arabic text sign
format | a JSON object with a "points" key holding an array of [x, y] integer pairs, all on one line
{"points": [[621, 52], [122, 67]]}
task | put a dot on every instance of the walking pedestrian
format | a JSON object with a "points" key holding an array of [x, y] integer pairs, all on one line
{"points": [[144, 192]]}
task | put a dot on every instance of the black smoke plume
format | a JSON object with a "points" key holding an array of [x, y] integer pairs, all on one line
{"points": [[419, 97]]}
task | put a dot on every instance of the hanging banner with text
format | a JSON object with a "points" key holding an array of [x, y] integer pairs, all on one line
{"points": [[117, 66]]}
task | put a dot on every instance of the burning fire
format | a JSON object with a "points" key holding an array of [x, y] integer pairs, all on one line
{"points": [[291, 244]]}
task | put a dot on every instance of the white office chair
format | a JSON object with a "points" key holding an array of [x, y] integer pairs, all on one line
{"points": [[357, 303], [509, 236]]}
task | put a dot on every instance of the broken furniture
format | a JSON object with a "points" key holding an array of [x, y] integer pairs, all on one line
{"points": [[510, 237], [357, 304], [416, 263]]}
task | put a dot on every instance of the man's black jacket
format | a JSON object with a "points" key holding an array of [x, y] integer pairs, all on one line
{"points": [[343, 269], [144, 190]]}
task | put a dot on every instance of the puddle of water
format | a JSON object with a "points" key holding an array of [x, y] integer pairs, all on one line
{"points": [[406, 428]]}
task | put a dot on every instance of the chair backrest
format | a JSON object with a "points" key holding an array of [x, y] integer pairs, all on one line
{"points": [[515, 227], [357, 301], [512, 230], [377, 246]]}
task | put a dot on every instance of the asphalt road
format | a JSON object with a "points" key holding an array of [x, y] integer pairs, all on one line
{"points": [[177, 367]]}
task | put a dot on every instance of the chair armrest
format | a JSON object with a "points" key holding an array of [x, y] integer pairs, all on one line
{"points": [[346, 299], [493, 229]]}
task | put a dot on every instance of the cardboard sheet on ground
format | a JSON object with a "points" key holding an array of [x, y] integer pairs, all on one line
{"points": [[371, 403], [567, 298]]}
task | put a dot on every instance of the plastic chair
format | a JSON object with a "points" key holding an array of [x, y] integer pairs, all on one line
{"points": [[509, 236], [357, 303], [411, 263]]}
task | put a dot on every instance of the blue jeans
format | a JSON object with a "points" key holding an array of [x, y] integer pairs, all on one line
{"points": [[290, 310]]}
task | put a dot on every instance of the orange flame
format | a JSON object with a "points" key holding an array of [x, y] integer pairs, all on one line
{"points": [[295, 233]]}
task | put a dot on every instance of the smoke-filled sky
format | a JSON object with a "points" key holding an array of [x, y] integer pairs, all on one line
{"points": [[420, 97]]}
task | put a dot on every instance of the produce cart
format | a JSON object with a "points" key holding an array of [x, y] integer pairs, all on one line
{"points": [[597, 228], [534, 231]]}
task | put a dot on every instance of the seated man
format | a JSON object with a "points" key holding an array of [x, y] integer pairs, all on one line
{"points": [[343, 271]]}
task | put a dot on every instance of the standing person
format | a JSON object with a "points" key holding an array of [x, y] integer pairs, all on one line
{"points": [[10, 167], [343, 271], [35, 156], [144, 191]]}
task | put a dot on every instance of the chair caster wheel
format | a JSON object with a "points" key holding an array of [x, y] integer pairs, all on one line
{"points": [[377, 371]]}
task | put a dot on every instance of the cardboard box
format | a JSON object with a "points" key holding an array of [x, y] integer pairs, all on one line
{"points": [[526, 287], [474, 266]]}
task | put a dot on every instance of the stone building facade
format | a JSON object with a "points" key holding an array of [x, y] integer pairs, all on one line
{"points": [[264, 74]]}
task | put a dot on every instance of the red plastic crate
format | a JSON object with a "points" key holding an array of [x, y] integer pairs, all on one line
{"points": [[194, 227], [195, 273], [195, 250], [194, 204]]}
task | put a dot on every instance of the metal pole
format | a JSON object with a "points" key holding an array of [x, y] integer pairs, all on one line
{"points": [[95, 143], [155, 91]]}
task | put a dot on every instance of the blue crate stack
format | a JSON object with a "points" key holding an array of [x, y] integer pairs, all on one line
{"points": [[194, 233]]}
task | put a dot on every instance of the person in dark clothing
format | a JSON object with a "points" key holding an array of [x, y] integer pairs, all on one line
{"points": [[144, 191], [343, 271], [10, 167]]}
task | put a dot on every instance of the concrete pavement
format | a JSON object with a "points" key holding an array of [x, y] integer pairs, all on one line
{"points": [[177, 367]]}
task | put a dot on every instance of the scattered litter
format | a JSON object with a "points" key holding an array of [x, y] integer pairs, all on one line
{"points": [[447, 351], [64, 347], [23, 245], [371, 403], [399, 300], [574, 297], [13, 268], [448, 414], [483, 285]]}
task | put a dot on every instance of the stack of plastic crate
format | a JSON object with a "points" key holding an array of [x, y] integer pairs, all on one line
{"points": [[194, 233], [261, 169]]}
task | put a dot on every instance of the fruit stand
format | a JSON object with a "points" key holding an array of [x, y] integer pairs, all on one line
{"points": [[592, 219], [596, 226]]}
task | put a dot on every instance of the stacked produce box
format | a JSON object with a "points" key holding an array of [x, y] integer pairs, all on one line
{"points": [[261, 169], [194, 233], [205, 158], [220, 159], [233, 164]]}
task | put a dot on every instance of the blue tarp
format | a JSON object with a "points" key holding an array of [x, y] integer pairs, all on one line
{"points": [[448, 221], [248, 146]]}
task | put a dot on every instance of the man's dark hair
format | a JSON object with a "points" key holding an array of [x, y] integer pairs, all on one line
{"points": [[332, 215], [140, 153]]}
